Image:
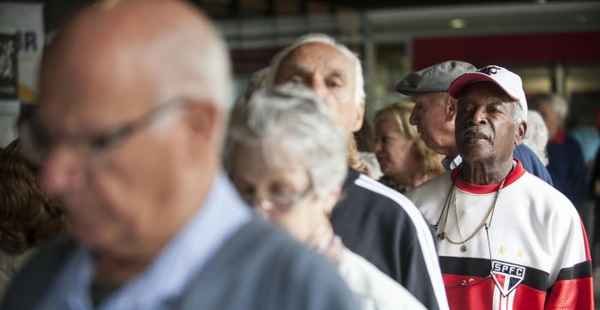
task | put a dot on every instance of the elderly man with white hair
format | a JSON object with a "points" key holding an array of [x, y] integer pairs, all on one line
{"points": [[372, 220], [129, 133], [506, 239]]}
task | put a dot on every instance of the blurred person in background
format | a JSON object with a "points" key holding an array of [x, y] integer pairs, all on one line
{"points": [[28, 218], [536, 137], [435, 111], [565, 158], [374, 221], [506, 239], [365, 144], [595, 196], [589, 140], [406, 160], [129, 132], [287, 159]]}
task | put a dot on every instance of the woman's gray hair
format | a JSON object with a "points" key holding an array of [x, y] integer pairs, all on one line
{"points": [[557, 102], [536, 136], [359, 83], [291, 121], [519, 115]]}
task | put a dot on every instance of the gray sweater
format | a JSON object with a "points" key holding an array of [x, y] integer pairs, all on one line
{"points": [[257, 268]]}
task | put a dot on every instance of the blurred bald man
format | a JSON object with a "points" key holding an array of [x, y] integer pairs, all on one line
{"points": [[133, 101]]}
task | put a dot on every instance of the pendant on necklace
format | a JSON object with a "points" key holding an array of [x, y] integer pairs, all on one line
{"points": [[463, 248]]}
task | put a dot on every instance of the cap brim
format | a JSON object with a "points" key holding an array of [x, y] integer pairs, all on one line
{"points": [[471, 78], [414, 91]]}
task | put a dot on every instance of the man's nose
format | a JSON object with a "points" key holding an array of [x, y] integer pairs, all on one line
{"points": [[318, 86], [61, 171], [479, 116]]}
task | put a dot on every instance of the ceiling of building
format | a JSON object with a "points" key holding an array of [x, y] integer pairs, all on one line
{"points": [[56, 11]]}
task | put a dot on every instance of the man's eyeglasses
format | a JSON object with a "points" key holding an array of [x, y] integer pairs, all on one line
{"points": [[38, 142]]}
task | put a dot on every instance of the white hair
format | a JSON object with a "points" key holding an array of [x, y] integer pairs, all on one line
{"points": [[256, 82], [290, 121], [217, 72], [536, 136], [519, 115], [359, 83], [201, 70]]}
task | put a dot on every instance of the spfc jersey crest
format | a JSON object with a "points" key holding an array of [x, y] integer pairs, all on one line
{"points": [[507, 276]]}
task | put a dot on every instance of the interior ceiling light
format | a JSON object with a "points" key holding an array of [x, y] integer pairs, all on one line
{"points": [[457, 23]]}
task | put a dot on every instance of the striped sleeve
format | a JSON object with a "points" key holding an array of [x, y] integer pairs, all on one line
{"points": [[419, 254], [573, 288]]}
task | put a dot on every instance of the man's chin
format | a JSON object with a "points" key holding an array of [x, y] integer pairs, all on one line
{"points": [[90, 236], [476, 152]]}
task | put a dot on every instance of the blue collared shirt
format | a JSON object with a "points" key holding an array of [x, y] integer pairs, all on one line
{"points": [[222, 214]]}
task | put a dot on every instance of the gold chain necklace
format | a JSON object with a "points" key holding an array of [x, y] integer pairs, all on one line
{"points": [[451, 200]]}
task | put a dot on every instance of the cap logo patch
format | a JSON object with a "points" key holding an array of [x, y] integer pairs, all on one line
{"points": [[490, 70]]}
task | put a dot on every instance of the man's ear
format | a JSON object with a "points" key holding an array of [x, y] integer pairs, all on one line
{"points": [[203, 119], [520, 131], [359, 117], [451, 108]]}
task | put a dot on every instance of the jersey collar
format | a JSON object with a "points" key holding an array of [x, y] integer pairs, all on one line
{"points": [[512, 176]]}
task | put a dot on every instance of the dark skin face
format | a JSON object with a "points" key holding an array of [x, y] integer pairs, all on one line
{"points": [[486, 133]]}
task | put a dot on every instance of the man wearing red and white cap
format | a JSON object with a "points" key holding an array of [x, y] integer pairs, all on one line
{"points": [[506, 239]]}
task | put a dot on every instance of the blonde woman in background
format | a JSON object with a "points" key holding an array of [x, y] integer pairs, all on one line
{"points": [[405, 159]]}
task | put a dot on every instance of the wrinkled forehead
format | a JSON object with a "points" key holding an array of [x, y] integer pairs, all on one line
{"points": [[317, 57]]}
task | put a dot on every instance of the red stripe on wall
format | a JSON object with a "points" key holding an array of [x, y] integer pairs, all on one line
{"points": [[581, 47]]}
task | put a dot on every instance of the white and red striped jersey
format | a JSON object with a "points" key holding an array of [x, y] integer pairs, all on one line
{"points": [[536, 256]]}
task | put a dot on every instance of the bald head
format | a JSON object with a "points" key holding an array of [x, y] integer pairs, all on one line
{"points": [[123, 80], [165, 43]]}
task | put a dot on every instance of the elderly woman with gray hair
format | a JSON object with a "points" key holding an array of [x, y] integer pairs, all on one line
{"points": [[566, 163], [286, 157], [536, 136]]}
